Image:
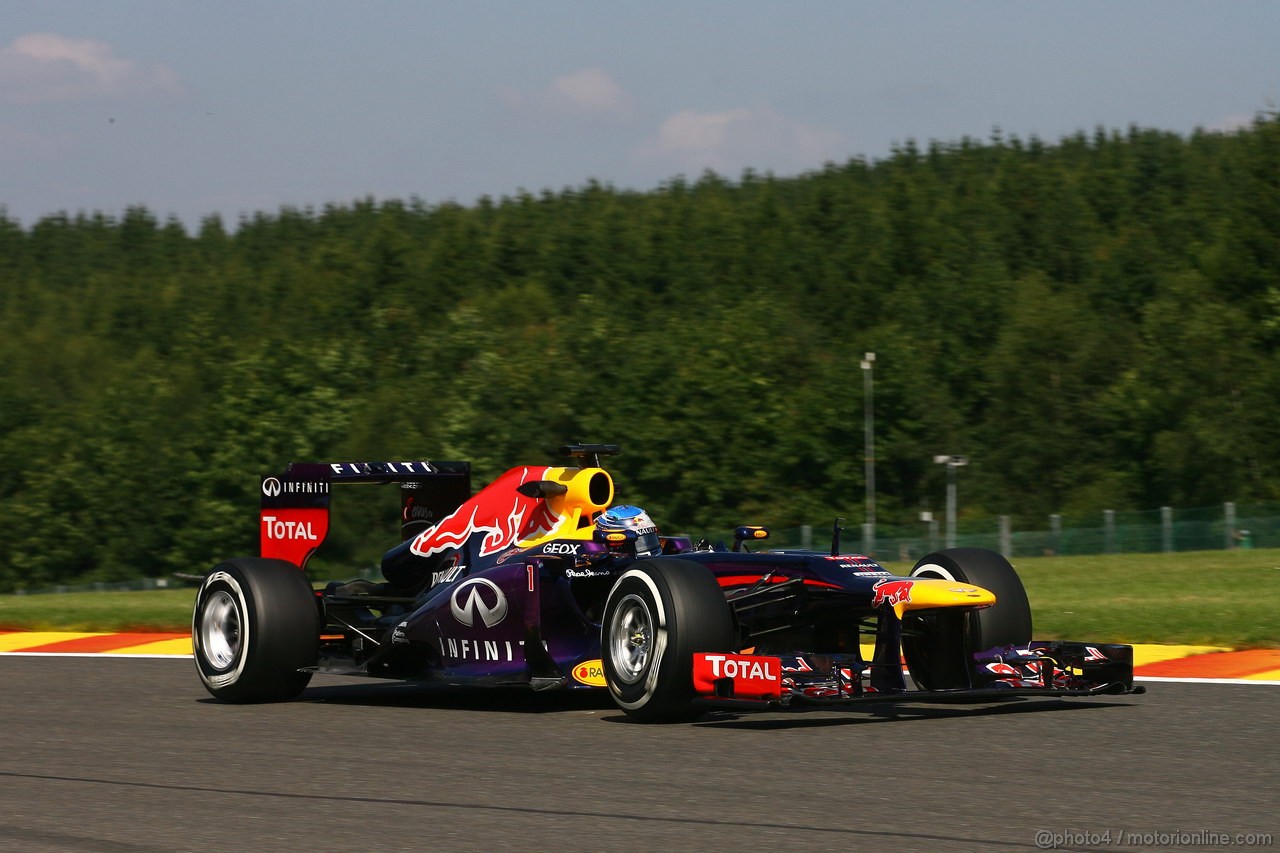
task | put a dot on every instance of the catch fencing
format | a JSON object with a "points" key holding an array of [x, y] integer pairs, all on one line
{"points": [[1165, 530], [1229, 525]]}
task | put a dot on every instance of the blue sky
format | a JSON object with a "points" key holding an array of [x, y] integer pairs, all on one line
{"points": [[231, 107]]}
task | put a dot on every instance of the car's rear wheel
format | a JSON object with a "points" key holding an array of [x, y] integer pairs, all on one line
{"points": [[932, 644], [658, 614], [255, 624]]}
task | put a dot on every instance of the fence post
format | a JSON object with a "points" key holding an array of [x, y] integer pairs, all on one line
{"points": [[1166, 529], [868, 546], [1055, 533], [1229, 525], [1109, 523], [1006, 537], [806, 537]]}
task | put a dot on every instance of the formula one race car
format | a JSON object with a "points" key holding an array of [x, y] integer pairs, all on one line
{"points": [[539, 580]]}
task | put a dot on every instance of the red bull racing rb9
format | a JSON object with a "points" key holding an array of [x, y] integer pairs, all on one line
{"points": [[539, 580]]}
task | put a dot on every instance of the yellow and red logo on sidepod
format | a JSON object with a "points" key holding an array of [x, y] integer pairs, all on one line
{"points": [[589, 672]]}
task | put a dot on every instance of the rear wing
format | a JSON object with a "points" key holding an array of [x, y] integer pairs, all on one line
{"points": [[293, 520]]}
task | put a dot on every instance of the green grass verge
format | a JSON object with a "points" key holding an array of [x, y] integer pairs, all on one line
{"points": [[149, 610], [1222, 598]]}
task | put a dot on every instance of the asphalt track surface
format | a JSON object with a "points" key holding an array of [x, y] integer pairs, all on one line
{"points": [[120, 755]]}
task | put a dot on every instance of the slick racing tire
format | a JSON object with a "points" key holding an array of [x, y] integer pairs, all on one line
{"points": [[929, 643], [658, 614], [256, 623]]}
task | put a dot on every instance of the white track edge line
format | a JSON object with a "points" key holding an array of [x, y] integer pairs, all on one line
{"points": [[1206, 680], [87, 655]]}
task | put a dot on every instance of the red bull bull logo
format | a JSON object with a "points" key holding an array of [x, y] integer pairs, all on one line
{"points": [[891, 592], [501, 513]]}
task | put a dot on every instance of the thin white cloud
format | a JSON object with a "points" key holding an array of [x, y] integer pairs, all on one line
{"points": [[590, 89], [1232, 123], [740, 138], [46, 67], [586, 91], [689, 132]]}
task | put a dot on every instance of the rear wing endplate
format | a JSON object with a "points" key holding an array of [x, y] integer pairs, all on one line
{"points": [[293, 519]]}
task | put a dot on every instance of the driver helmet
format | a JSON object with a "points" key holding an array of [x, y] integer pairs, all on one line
{"points": [[627, 517]]}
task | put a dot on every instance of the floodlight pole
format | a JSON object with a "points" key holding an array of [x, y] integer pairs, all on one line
{"points": [[869, 446], [952, 463]]}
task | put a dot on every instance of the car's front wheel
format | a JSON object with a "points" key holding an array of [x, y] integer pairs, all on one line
{"points": [[658, 614], [256, 623], [933, 644]]}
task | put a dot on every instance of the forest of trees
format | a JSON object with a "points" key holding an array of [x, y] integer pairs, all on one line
{"points": [[1093, 322]]}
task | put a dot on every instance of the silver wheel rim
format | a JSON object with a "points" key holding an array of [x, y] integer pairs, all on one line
{"points": [[631, 638], [220, 633]]}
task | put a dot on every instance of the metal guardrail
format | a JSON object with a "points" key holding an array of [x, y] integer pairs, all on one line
{"points": [[1163, 530], [111, 586]]}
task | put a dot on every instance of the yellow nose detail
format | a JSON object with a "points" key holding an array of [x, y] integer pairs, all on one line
{"points": [[903, 594]]}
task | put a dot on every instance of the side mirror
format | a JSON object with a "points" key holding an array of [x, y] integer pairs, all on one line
{"points": [[748, 532]]}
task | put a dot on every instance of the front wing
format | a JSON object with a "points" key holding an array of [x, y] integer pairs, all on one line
{"points": [[1047, 668]]}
